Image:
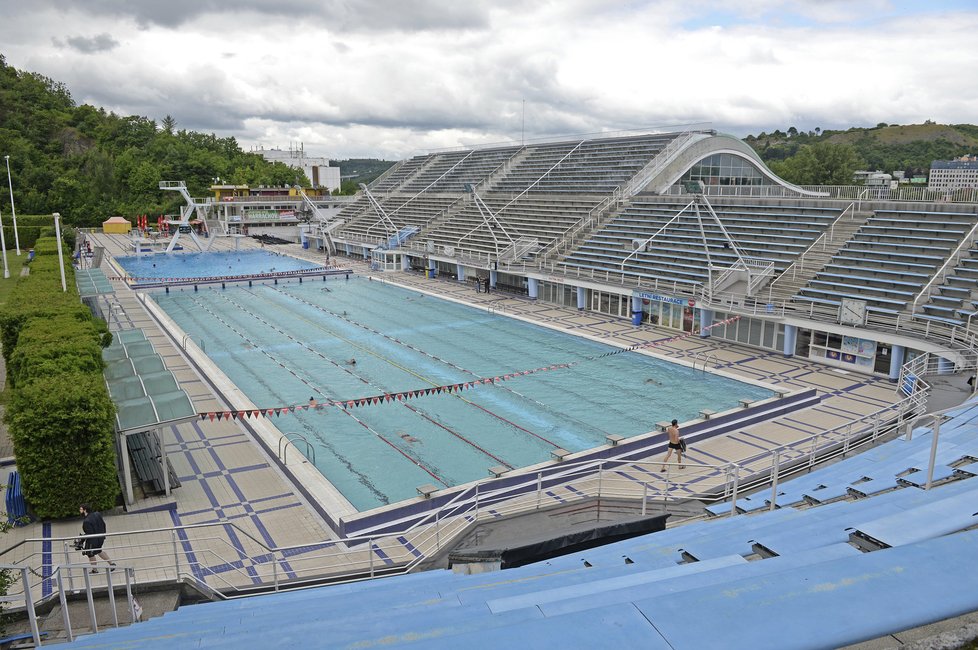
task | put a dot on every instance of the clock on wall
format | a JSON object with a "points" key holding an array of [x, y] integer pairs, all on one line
{"points": [[852, 312]]}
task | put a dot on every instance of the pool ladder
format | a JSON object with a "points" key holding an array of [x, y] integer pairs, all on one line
{"points": [[186, 337], [707, 358], [287, 439]]}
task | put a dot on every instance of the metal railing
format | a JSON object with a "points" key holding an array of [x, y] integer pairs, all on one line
{"points": [[951, 261], [846, 192]]}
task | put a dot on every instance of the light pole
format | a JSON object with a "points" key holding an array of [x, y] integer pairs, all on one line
{"points": [[13, 211], [61, 259], [3, 248]]}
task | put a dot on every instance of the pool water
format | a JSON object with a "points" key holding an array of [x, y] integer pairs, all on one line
{"points": [[210, 265], [284, 344]]}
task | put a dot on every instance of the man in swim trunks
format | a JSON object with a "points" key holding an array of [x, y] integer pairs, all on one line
{"points": [[675, 444]]}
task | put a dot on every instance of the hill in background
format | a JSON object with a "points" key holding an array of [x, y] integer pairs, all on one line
{"points": [[888, 147], [360, 170]]}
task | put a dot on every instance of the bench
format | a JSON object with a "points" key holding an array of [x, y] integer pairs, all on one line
{"points": [[145, 452]]}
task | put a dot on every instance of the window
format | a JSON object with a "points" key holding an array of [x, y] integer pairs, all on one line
{"points": [[724, 169]]}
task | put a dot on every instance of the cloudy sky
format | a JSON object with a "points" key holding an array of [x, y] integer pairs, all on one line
{"points": [[395, 78]]}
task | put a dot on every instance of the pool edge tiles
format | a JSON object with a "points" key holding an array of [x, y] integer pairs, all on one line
{"points": [[300, 472]]}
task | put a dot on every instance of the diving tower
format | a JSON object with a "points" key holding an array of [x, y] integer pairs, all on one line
{"points": [[182, 226]]}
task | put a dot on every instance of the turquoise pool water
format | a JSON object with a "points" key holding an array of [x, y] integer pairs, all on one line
{"points": [[209, 265], [284, 344]]}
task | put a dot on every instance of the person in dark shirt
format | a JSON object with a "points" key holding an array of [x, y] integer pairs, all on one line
{"points": [[94, 525]]}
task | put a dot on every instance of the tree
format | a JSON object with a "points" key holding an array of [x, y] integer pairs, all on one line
{"points": [[820, 164], [168, 124]]}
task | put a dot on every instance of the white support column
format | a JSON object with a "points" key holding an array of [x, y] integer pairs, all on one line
{"points": [[61, 259]]}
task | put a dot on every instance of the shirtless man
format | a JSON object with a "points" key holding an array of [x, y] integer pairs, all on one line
{"points": [[674, 445]]}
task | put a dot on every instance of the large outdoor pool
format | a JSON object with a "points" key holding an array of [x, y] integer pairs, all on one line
{"points": [[209, 265], [285, 344]]}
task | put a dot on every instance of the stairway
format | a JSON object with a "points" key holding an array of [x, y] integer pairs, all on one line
{"points": [[796, 276]]}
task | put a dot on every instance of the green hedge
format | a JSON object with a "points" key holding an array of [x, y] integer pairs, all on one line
{"points": [[29, 230], [62, 428], [59, 413]]}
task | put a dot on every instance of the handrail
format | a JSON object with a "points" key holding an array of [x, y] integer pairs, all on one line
{"points": [[966, 240], [823, 238], [660, 160], [287, 439]]}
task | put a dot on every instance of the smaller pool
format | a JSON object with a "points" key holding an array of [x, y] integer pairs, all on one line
{"points": [[210, 265]]}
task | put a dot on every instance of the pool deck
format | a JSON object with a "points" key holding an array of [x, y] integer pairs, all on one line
{"points": [[227, 478]]}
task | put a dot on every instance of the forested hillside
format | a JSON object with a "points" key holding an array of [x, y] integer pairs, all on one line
{"points": [[89, 164], [829, 157]]}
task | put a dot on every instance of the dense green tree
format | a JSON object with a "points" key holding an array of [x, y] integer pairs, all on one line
{"points": [[820, 164], [89, 164]]}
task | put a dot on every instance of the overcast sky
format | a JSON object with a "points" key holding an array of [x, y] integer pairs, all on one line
{"points": [[395, 78]]}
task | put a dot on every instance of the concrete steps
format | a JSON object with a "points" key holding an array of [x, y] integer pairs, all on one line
{"points": [[799, 274]]}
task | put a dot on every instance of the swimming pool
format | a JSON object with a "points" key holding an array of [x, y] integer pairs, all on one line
{"points": [[284, 344], [209, 265]]}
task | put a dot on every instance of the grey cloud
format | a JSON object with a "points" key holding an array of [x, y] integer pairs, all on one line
{"points": [[89, 45], [335, 15]]}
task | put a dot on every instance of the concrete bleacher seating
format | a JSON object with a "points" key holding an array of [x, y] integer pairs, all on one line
{"points": [[452, 172], [890, 259], [871, 566], [545, 220], [776, 232], [955, 299]]}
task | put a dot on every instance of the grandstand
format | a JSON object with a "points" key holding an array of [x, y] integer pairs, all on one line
{"points": [[689, 232]]}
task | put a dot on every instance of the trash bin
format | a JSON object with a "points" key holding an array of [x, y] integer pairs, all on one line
{"points": [[637, 317], [30, 255]]}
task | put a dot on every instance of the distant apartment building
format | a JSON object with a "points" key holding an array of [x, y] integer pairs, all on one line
{"points": [[954, 174], [317, 170]]}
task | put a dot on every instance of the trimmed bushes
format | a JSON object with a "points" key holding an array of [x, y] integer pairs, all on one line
{"points": [[59, 414]]}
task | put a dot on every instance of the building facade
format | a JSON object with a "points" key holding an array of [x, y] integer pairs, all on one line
{"points": [[318, 170], [954, 174]]}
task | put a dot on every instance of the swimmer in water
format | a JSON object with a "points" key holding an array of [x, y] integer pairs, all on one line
{"points": [[351, 361], [652, 381], [407, 437]]}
